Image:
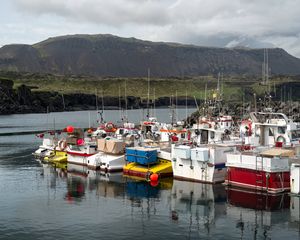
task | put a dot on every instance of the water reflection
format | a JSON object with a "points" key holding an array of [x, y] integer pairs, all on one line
{"points": [[257, 200], [256, 213], [197, 203], [185, 209]]}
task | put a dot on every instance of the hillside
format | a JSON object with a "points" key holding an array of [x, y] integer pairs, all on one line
{"points": [[107, 55]]}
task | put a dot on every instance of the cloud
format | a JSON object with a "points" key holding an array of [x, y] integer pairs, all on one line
{"points": [[113, 13], [219, 23]]}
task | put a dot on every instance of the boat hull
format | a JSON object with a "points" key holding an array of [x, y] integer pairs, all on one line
{"points": [[163, 168], [272, 182], [57, 157], [199, 172], [106, 162], [78, 158]]}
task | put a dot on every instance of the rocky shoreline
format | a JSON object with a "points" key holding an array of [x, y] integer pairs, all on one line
{"points": [[24, 100]]}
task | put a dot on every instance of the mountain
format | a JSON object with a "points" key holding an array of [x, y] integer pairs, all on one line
{"points": [[108, 55]]}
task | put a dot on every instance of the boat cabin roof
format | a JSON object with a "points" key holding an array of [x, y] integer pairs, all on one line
{"points": [[277, 152]]}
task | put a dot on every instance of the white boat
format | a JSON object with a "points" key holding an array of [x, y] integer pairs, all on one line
{"points": [[106, 162], [109, 156], [270, 129], [202, 164], [78, 154], [214, 130], [47, 147], [203, 158]]}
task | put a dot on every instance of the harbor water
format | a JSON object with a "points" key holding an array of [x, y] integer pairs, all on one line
{"points": [[41, 201]]}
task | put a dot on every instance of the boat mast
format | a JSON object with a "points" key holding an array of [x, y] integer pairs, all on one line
{"points": [[205, 93], [176, 109], [96, 96], [186, 112], [120, 106], [102, 100], [63, 101], [125, 117], [154, 106], [148, 94]]}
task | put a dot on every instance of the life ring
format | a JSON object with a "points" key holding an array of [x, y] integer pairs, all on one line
{"points": [[109, 125], [246, 125], [209, 124], [137, 136], [62, 144], [281, 139]]}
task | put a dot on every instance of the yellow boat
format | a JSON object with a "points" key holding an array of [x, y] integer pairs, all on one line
{"points": [[57, 157], [163, 168]]}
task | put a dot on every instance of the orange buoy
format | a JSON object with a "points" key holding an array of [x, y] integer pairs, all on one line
{"points": [[90, 130], [154, 177], [70, 129]]}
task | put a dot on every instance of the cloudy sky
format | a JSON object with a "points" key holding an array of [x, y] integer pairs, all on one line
{"points": [[223, 23]]}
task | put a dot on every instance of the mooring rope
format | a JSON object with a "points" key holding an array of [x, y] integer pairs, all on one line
{"points": [[22, 156]]}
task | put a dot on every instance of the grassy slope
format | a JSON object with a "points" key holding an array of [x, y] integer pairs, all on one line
{"points": [[233, 87]]}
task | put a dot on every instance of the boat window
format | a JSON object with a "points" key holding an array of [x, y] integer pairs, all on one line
{"points": [[281, 130], [121, 131], [295, 134], [271, 134], [212, 135], [74, 147]]}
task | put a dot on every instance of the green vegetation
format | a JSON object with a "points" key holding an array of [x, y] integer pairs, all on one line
{"points": [[233, 88]]}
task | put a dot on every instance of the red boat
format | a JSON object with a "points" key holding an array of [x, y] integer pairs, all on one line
{"points": [[267, 171]]}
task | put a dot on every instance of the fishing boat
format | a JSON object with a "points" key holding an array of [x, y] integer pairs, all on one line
{"points": [[201, 164], [109, 156], [79, 149], [50, 141], [142, 162], [212, 130], [162, 133], [266, 171], [78, 154], [270, 129]]}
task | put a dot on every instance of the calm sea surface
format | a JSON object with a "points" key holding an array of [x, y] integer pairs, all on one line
{"points": [[39, 201]]}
